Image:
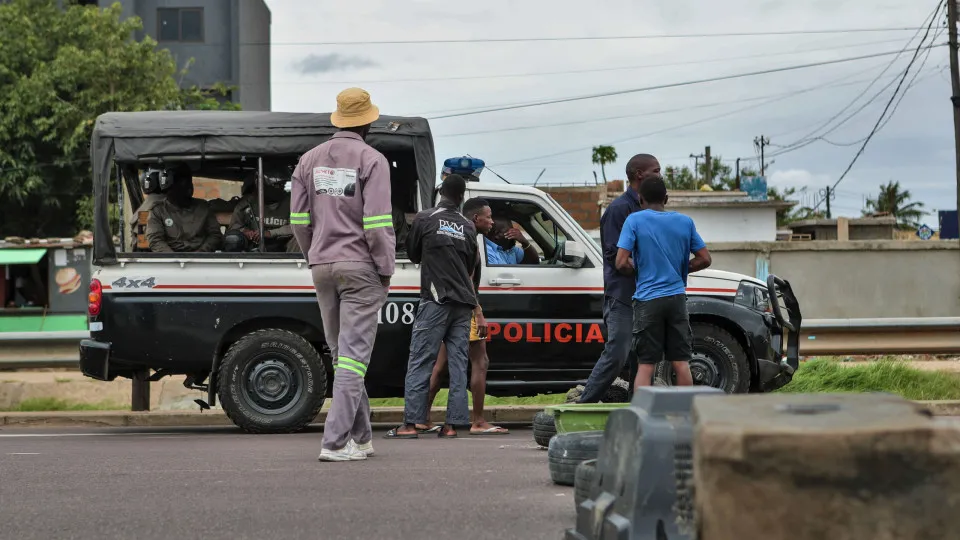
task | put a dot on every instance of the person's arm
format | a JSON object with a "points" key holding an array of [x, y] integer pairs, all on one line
{"points": [[300, 218], [236, 219], [414, 244], [213, 238], [701, 255], [527, 253], [378, 218], [625, 246], [624, 262], [475, 276], [611, 223], [157, 234]]}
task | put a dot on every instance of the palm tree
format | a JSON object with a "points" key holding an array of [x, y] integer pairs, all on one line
{"points": [[602, 155], [896, 202]]}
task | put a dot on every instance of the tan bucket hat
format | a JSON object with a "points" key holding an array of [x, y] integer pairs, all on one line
{"points": [[354, 109]]}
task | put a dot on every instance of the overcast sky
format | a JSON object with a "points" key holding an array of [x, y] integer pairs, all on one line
{"points": [[915, 147]]}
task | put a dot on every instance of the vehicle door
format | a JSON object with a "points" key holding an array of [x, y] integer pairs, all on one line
{"points": [[545, 319]]}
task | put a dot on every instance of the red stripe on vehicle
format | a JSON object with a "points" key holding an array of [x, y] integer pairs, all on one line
{"points": [[709, 290]]}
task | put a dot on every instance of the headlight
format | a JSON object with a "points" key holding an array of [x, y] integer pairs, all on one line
{"points": [[753, 296]]}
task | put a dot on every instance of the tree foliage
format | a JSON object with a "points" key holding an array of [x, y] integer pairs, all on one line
{"points": [[603, 155], [60, 68], [896, 201]]}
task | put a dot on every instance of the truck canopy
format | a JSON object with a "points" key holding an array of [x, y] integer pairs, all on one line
{"points": [[134, 137]]}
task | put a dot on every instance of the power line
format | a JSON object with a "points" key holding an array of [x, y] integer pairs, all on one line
{"points": [[885, 109], [806, 140], [592, 70], [585, 38], [669, 85], [830, 84]]}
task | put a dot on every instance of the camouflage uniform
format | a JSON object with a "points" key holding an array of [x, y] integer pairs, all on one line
{"points": [[190, 229]]}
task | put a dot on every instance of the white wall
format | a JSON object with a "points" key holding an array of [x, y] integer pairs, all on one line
{"points": [[733, 224]]}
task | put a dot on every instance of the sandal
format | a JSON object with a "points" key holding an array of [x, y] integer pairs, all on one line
{"points": [[431, 429], [392, 434], [492, 430], [442, 435]]}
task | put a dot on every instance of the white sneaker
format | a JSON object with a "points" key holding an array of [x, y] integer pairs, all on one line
{"points": [[350, 452], [366, 448]]}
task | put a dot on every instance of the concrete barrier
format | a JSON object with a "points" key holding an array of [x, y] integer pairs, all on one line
{"points": [[859, 279]]}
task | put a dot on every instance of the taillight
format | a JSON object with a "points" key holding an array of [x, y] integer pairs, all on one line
{"points": [[95, 298]]}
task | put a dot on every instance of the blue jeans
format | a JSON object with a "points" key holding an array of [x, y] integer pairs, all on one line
{"points": [[618, 317], [436, 324]]}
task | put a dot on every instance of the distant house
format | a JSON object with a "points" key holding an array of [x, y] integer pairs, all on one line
{"points": [[865, 228]]}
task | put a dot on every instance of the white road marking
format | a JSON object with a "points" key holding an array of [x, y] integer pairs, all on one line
{"points": [[23, 453]]}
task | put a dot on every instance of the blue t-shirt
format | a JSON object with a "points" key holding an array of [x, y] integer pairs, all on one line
{"points": [[498, 255], [661, 244]]}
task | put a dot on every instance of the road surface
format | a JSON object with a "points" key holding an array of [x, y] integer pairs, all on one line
{"points": [[219, 483]]}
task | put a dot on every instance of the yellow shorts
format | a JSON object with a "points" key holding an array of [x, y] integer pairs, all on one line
{"points": [[474, 336]]}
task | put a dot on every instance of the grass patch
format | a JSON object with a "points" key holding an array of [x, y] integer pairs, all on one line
{"points": [[441, 401], [893, 376], [48, 404]]}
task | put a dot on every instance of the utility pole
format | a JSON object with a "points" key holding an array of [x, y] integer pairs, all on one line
{"points": [[955, 82], [696, 167], [707, 167], [827, 193], [738, 174], [759, 143]]}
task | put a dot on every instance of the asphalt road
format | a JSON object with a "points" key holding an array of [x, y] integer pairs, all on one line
{"points": [[220, 483]]}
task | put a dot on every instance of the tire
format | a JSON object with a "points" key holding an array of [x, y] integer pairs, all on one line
{"points": [[617, 393], [583, 480], [568, 450], [285, 361], [544, 428], [714, 345]]}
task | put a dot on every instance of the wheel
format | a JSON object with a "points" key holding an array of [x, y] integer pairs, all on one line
{"points": [[718, 360], [568, 450], [544, 428], [272, 381], [583, 480]]}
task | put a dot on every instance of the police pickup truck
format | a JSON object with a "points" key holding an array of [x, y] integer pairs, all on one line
{"points": [[245, 327]]}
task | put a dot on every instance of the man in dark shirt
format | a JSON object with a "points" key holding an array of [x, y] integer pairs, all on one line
{"points": [[444, 243], [618, 289]]}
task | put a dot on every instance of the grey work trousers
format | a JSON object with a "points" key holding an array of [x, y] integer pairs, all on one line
{"points": [[437, 323], [350, 296]]}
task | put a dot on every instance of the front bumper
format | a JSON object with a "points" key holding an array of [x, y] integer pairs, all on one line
{"points": [[774, 375], [95, 360]]}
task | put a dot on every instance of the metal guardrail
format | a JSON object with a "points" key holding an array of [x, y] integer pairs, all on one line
{"points": [[818, 337], [925, 335]]}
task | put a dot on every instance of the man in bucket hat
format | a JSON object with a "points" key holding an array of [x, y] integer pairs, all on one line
{"points": [[341, 216]]}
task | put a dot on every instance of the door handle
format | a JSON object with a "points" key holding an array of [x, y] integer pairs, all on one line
{"points": [[505, 281]]}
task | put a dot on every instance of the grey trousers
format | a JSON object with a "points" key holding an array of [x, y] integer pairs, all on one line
{"points": [[350, 296], [434, 324]]}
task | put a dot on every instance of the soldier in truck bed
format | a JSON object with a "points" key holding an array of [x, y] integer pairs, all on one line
{"points": [[277, 235], [181, 223]]}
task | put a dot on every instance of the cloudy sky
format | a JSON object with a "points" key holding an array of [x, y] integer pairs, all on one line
{"points": [[311, 64]]}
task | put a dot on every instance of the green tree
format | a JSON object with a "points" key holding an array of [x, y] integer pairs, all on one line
{"points": [[59, 70], [679, 178], [601, 156], [722, 177], [896, 201]]}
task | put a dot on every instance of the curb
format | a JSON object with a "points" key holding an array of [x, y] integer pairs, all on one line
{"points": [[513, 414]]}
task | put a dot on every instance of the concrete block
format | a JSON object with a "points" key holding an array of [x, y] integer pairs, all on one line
{"points": [[824, 466]]}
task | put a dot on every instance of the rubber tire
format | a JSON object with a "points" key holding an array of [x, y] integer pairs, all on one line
{"points": [[311, 369], [568, 450], [617, 393], [583, 480], [544, 428], [721, 346]]}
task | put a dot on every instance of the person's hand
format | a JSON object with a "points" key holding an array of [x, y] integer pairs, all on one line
{"points": [[385, 281], [267, 234], [515, 234], [481, 325], [252, 235]]}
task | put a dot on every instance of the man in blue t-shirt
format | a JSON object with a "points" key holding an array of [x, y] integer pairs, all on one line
{"points": [[656, 246]]}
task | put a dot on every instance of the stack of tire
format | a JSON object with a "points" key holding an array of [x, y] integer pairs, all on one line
{"points": [[571, 457]]}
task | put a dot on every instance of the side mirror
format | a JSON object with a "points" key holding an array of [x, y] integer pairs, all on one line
{"points": [[573, 254]]}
